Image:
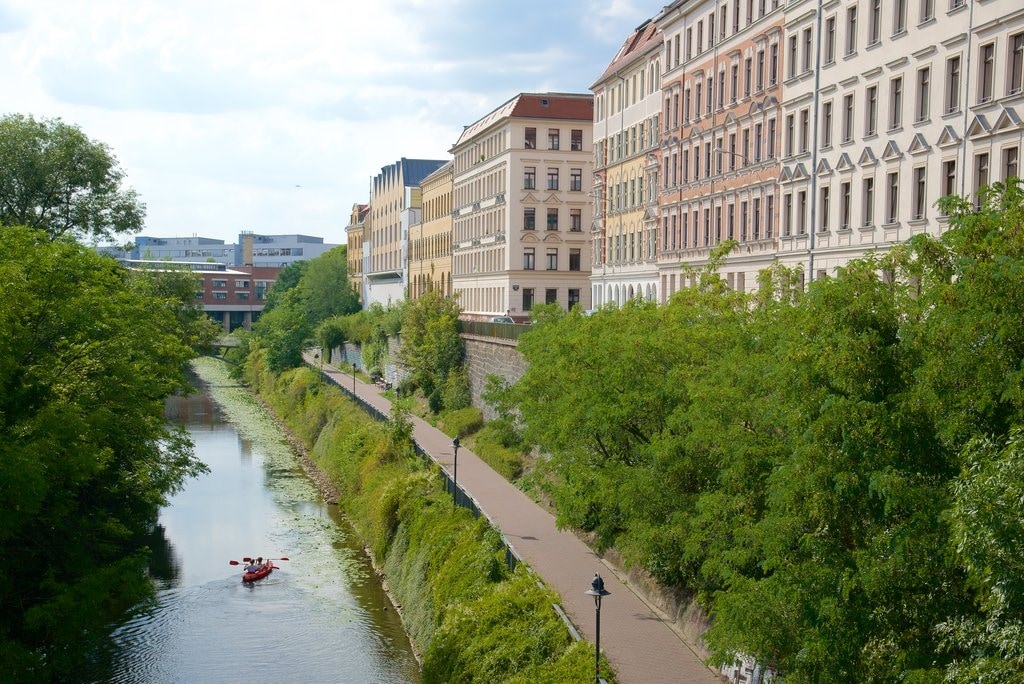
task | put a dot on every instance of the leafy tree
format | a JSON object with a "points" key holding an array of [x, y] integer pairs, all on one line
{"points": [[431, 346], [54, 178], [88, 355], [325, 286], [987, 534]]}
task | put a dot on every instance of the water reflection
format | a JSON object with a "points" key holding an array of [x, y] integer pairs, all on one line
{"points": [[321, 617]]}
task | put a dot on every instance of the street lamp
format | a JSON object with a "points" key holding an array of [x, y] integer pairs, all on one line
{"points": [[455, 476], [353, 379], [598, 591]]}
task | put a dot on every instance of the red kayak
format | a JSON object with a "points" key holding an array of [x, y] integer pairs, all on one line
{"points": [[259, 574]]}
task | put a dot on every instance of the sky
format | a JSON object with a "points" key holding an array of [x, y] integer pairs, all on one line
{"points": [[274, 116]]}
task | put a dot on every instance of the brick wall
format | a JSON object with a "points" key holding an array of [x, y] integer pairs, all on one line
{"points": [[490, 356]]}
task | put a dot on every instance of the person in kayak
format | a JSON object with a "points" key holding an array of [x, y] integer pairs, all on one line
{"points": [[252, 566]]}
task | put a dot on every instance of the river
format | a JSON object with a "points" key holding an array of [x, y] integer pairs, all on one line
{"points": [[322, 617]]}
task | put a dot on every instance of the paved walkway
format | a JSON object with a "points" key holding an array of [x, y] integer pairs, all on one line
{"points": [[639, 644]]}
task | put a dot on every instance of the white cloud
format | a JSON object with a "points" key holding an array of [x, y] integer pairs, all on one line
{"points": [[218, 109]]}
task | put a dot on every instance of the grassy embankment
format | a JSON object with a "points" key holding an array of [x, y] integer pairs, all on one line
{"points": [[469, 617]]}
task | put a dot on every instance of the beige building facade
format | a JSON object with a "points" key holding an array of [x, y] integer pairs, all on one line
{"points": [[430, 240], [522, 176], [354, 240], [627, 110]]}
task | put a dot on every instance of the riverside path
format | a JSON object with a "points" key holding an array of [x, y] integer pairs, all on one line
{"points": [[640, 645]]}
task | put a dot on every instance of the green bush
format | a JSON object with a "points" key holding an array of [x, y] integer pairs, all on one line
{"points": [[472, 619], [462, 422], [490, 445]]}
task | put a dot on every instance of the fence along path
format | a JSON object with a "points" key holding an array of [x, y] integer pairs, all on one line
{"points": [[640, 644]]}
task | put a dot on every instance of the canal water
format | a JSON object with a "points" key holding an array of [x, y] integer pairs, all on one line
{"points": [[322, 617]]}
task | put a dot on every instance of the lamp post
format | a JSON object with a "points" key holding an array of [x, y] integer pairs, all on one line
{"points": [[455, 475], [353, 379], [598, 591]]}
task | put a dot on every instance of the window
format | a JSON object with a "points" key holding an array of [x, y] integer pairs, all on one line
{"points": [[529, 218], [219, 283], [792, 58], [892, 197], [845, 198], [529, 257], [527, 298], [747, 76], [730, 222], [895, 103], [949, 177], [553, 134], [710, 98], [790, 134], [531, 138], [808, 48], [576, 220], [987, 55], [1016, 64], [927, 10], [826, 124], [220, 295], [869, 202], [875, 22], [574, 259], [953, 85], [830, 40], [756, 215], [825, 208], [787, 214], [769, 215], [721, 88], [760, 70], [924, 90], [773, 64], [771, 139], [576, 143], [552, 179], [980, 172], [242, 283], [801, 212], [553, 259], [805, 127], [757, 144], [552, 219], [851, 30], [1010, 162], [899, 20], [530, 178], [574, 297], [920, 198], [871, 110], [551, 295], [576, 180]]}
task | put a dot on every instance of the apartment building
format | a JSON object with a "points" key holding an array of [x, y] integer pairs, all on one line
{"points": [[722, 94], [907, 101], [809, 131], [354, 233], [627, 107], [518, 241], [430, 240], [394, 206]]}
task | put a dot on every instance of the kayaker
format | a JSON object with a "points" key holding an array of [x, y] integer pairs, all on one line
{"points": [[260, 563], [252, 567]]}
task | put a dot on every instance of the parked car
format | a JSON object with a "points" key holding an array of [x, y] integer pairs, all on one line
{"points": [[502, 319]]}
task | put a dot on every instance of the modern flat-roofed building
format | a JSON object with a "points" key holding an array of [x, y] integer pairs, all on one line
{"points": [[394, 206], [522, 178], [274, 251]]}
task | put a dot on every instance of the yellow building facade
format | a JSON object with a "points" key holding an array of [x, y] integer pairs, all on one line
{"points": [[430, 240]]}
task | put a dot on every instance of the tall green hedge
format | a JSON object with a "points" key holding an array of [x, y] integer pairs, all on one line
{"points": [[470, 618]]}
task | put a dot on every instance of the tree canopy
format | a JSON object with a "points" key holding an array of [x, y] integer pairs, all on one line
{"points": [[54, 178], [832, 472], [89, 352]]}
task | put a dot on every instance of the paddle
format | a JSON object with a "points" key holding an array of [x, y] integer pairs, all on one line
{"points": [[244, 560]]}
